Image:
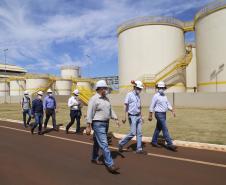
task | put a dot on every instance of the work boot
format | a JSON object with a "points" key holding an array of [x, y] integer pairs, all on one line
{"points": [[141, 152], [120, 148], [156, 145], [172, 147], [113, 169]]}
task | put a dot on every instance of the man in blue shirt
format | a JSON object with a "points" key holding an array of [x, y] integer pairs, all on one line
{"points": [[133, 109], [160, 105], [37, 113], [49, 106]]}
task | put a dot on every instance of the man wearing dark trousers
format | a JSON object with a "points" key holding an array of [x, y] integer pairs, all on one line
{"points": [[49, 106], [26, 108], [75, 111], [37, 113]]}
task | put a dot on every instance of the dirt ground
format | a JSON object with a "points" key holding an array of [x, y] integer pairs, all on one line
{"points": [[199, 125]]}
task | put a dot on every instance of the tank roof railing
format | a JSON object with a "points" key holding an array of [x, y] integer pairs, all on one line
{"points": [[210, 8], [148, 20]]}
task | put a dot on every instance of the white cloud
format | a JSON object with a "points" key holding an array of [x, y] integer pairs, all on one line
{"points": [[29, 35]]}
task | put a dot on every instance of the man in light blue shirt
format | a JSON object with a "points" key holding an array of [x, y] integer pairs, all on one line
{"points": [[160, 105], [49, 106], [133, 109]]}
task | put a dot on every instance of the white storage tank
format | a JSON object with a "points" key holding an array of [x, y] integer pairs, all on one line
{"points": [[35, 83], [70, 71], [17, 87], [191, 72], [63, 87], [4, 88], [146, 46], [210, 26]]}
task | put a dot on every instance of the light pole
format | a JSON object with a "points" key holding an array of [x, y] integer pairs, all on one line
{"points": [[5, 50]]}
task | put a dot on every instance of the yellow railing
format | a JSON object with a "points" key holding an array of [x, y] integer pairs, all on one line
{"points": [[169, 71]]}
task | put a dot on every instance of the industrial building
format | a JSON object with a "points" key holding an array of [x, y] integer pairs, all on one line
{"points": [[151, 49], [155, 49]]}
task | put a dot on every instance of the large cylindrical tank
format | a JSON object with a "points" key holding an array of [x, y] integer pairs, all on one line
{"points": [[17, 87], [35, 83], [4, 87], [63, 87], [70, 71], [211, 47], [146, 46], [191, 73]]}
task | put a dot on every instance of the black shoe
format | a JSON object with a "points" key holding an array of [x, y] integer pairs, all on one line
{"points": [[32, 131], [172, 147], [141, 152], [113, 169], [156, 145], [120, 148], [97, 162], [55, 129], [40, 133]]}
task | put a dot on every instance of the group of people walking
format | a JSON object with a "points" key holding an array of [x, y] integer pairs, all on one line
{"points": [[99, 113]]}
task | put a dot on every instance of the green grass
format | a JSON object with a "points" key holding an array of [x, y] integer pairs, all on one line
{"points": [[199, 125]]}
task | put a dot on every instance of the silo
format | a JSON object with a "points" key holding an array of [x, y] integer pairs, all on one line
{"points": [[70, 71], [147, 45], [63, 87], [17, 87], [191, 72], [35, 83], [4, 88], [211, 47]]}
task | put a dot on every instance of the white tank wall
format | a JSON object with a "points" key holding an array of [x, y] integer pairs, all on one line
{"points": [[4, 88], [67, 72], [146, 50], [191, 73], [211, 50], [63, 87], [17, 87], [32, 84]]}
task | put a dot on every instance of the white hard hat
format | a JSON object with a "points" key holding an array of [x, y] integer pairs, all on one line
{"points": [[138, 84], [101, 83], [26, 93], [161, 84], [76, 92], [49, 91], [40, 93]]}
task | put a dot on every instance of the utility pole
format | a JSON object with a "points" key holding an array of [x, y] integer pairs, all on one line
{"points": [[5, 50]]}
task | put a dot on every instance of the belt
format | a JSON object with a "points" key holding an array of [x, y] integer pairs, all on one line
{"points": [[134, 114], [107, 121]]}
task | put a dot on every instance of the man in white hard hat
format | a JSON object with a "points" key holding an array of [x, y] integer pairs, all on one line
{"points": [[50, 106], [160, 105], [26, 108], [99, 114], [37, 113], [75, 106], [133, 111]]}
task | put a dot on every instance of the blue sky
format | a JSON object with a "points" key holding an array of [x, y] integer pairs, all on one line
{"points": [[42, 35]]}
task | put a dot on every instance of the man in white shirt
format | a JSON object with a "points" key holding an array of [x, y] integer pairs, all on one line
{"points": [[160, 105], [75, 111]]}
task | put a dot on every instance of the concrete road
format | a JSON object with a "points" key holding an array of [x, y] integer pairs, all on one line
{"points": [[59, 159]]}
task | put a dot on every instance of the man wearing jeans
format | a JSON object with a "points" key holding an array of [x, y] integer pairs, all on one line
{"points": [[133, 111], [160, 105], [49, 106], [98, 115], [26, 108], [37, 113]]}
